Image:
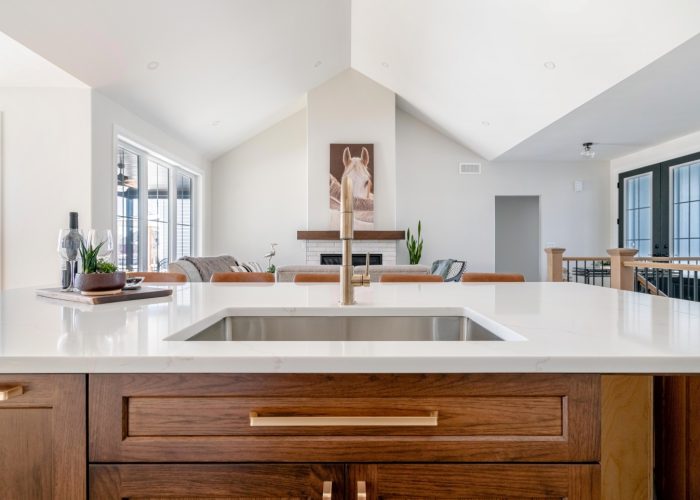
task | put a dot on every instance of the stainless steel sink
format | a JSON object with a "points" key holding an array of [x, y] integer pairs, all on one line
{"points": [[345, 328]]}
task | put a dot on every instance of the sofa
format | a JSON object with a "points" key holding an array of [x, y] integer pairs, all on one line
{"points": [[287, 273], [201, 268]]}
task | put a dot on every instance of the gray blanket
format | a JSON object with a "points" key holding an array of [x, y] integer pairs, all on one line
{"points": [[210, 265]]}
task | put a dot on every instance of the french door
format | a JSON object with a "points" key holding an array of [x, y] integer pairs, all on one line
{"points": [[659, 208]]}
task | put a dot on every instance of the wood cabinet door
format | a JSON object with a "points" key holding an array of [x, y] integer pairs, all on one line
{"points": [[473, 481], [230, 481], [677, 434], [42, 437]]}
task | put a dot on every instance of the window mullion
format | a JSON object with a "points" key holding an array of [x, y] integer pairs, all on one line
{"points": [[143, 212]]}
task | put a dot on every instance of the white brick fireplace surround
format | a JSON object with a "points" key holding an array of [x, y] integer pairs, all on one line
{"points": [[314, 249]]}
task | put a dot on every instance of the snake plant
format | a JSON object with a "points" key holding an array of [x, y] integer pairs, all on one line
{"points": [[414, 245]]}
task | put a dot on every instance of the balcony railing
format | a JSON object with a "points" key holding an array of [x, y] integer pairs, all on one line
{"points": [[676, 277]]}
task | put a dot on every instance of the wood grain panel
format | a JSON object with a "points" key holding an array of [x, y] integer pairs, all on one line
{"points": [[475, 481], [124, 425], [235, 481], [627, 436], [42, 437], [677, 440], [26, 461], [469, 416]]}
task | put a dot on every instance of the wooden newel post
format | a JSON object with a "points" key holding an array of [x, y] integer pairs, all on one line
{"points": [[621, 276], [555, 262]]}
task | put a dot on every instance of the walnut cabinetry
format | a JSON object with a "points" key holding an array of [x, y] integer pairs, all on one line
{"points": [[42, 436], [350, 436]]}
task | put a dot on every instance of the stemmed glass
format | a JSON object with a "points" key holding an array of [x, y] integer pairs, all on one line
{"points": [[103, 236], [69, 241]]}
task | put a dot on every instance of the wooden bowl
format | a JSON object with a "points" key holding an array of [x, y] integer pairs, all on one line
{"points": [[100, 282]]}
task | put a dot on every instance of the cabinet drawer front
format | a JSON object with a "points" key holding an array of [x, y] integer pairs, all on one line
{"points": [[233, 481], [467, 416], [226, 417]]}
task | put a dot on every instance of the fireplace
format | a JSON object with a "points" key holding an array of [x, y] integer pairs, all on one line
{"points": [[358, 259]]}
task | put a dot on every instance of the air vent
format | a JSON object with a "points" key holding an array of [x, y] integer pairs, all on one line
{"points": [[470, 168]]}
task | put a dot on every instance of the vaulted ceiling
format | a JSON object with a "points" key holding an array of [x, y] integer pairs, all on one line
{"points": [[489, 73]]}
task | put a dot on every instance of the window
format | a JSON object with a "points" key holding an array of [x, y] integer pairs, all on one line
{"points": [[154, 215], [686, 210], [659, 208], [638, 213]]}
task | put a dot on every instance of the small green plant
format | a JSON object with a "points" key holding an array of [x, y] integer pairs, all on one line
{"points": [[104, 266], [91, 261], [414, 245], [271, 268]]}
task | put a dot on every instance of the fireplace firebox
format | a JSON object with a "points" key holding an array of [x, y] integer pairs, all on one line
{"points": [[358, 259]]}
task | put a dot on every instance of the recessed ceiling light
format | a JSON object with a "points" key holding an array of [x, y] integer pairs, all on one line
{"points": [[153, 65], [317, 64], [550, 65], [485, 123], [215, 123], [385, 64]]}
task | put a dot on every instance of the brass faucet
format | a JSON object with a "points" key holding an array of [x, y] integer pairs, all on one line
{"points": [[349, 280]]}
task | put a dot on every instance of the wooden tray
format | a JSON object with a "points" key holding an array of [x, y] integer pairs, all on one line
{"points": [[142, 293]]}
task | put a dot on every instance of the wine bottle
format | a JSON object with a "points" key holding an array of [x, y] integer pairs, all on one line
{"points": [[72, 244]]}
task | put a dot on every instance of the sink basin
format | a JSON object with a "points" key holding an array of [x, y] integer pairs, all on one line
{"points": [[345, 328]]}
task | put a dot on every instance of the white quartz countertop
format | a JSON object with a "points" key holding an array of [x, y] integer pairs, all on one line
{"points": [[560, 327]]}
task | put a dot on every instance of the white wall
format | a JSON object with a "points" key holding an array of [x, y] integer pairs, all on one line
{"points": [[458, 211], [110, 118], [681, 146], [351, 108], [45, 175], [259, 195]]}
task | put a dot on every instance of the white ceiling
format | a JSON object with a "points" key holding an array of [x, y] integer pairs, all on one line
{"points": [[457, 64], [658, 103], [20, 67], [463, 62], [242, 63]]}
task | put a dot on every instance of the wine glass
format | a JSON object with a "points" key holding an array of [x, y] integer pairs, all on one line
{"points": [[103, 236], [69, 241]]}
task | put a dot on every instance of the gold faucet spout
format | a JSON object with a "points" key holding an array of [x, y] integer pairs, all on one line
{"points": [[348, 280]]}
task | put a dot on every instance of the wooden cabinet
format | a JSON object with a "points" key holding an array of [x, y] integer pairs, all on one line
{"points": [[42, 437], [344, 418], [233, 482], [677, 434], [482, 481]]}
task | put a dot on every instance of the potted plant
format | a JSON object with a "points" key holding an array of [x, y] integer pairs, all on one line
{"points": [[414, 245], [98, 274]]}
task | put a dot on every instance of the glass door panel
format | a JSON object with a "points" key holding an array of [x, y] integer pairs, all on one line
{"points": [[637, 215], [685, 232]]}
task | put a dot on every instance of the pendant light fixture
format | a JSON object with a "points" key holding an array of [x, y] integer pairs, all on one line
{"points": [[587, 150]]}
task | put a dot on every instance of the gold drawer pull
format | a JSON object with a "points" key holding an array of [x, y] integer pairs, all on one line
{"points": [[361, 490], [430, 420], [327, 490], [8, 392]]}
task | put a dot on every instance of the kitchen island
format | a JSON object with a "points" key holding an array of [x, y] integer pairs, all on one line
{"points": [[546, 327], [115, 400]]}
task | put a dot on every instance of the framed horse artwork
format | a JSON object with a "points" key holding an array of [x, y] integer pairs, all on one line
{"points": [[357, 162]]}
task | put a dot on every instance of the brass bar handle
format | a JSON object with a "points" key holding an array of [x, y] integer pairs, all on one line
{"points": [[430, 420], [361, 490], [8, 392], [327, 490]]}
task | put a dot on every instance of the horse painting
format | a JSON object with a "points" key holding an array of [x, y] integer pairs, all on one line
{"points": [[358, 167]]}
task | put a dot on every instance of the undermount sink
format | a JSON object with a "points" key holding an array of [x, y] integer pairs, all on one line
{"points": [[344, 328]]}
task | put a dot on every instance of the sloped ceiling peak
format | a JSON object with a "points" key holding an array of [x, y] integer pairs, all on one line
{"points": [[226, 68], [476, 68]]}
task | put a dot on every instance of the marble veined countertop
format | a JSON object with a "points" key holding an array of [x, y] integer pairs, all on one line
{"points": [[553, 327]]}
